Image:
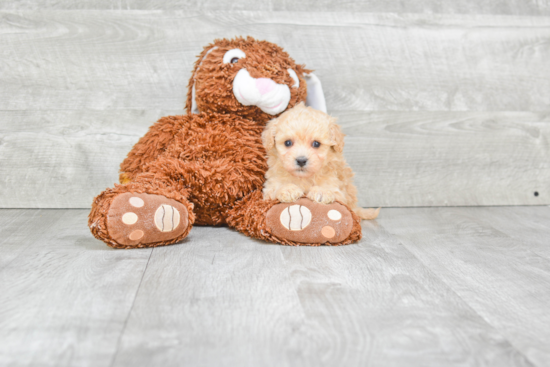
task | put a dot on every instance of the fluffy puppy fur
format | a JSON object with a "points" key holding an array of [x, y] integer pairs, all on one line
{"points": [[304, 148]]}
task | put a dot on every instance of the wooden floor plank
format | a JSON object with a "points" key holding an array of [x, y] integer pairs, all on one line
{"points": [[438, 158], [10, 220], [529, 226], [448, 158], [510, 7], [426, 286], [79, 152], [503, 279], [142, 59], [375, 304], [31, 226], [66, 296], [218, 299], [223, 300]]}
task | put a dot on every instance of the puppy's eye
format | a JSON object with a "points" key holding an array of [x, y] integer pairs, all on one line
{"points": [[316, 144], [288, 143], [234, 60]]}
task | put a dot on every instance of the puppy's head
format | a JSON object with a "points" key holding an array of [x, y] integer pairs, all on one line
{"points": [[303, 139]]}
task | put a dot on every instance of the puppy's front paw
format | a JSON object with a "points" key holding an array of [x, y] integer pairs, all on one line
{"points": [[289, 194], [321, 195]]}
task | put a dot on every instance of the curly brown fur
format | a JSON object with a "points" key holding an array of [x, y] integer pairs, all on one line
{"points": [[151, 146], [248, 217], [212, 161], [213, 82], [145, 183]]}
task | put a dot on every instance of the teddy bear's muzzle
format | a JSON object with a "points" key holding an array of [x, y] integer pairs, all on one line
{"points": [[272, 98]]}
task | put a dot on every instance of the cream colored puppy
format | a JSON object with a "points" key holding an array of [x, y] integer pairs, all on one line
{"points": [[304, 148]]}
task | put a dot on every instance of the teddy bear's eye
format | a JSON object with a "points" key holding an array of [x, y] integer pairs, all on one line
{"points": [[232, 56], [316, 144], [288, 143]]}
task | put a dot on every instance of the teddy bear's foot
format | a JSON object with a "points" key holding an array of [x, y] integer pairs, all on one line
{"points": [[309, 222], [135, 220]]}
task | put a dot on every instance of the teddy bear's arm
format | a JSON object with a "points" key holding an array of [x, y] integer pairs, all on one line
{"points": [[151, 145]]}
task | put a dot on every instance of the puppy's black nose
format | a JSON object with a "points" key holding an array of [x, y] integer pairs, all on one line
{"points": [[301, 161]]}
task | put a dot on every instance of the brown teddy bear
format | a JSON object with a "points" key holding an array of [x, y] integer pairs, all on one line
{"points": [[207, 167]]}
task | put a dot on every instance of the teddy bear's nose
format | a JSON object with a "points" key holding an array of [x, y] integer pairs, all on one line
{"points": [[265, 85]]}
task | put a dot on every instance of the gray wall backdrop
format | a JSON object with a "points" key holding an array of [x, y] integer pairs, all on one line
{"points": [[444, 102]]}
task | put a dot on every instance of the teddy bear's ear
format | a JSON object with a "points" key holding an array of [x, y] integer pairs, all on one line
{"points": [[191, 103], [194, 108], [315, 96]]}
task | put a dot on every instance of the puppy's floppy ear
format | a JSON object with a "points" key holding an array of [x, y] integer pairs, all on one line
{"points": [[268, 136], [336, 136]]}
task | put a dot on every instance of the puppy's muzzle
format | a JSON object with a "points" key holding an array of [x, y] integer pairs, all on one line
{"points": [[301, 161]]}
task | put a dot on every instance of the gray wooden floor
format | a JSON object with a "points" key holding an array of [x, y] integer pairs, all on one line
{"points": [[425, 287]]}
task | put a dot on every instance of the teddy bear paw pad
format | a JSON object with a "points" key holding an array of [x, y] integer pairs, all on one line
{"points": [[135, 219], [306, 221]]}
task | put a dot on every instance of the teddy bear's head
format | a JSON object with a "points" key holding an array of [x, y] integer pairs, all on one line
{"points": [[253, 79]]}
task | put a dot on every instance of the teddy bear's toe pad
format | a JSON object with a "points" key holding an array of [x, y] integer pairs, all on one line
{"points": [[135, 219], [306, 221]]}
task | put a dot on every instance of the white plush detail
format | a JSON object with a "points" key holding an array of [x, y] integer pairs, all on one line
{"points": [[247, 91], [167, 218], [231, 54], [136, 235], [294, 76], [194, 108], [206, 55], [295, 217], [137, 202], [129, 218], [334, 214], [315, 96], [274, 102]]}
